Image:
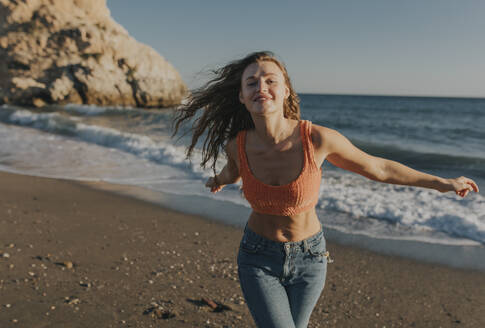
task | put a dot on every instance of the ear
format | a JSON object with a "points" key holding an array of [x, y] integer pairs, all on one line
{"points": [[241, 99], [287, 92]]}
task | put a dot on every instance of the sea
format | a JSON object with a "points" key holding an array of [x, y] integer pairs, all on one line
{"points": [[133, 151]]}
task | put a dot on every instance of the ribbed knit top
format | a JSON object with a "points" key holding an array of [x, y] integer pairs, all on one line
{"points": [[297, 196]]}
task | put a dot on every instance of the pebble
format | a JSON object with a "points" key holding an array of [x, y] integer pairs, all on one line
{"points": [[8, 306], [71, 301], [85, 284], [5, 255], [68, 264]]}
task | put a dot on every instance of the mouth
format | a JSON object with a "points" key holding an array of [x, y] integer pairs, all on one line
{"points": [[261, 98]]}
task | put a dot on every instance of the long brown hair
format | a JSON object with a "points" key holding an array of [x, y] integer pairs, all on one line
{"points": [[223, 114]]}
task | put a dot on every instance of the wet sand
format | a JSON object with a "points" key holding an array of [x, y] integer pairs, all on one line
{"points": [[75, 256]]}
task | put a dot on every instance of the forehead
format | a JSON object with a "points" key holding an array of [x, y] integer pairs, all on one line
{"points": [[261, 69]]}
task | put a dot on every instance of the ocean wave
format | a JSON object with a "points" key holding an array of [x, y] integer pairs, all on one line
{"points": [[426, 159], [414, 208], [140, 145], [93, 110]]}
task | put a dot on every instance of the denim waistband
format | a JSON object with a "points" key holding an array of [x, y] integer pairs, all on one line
{"points": [[250, 235]]}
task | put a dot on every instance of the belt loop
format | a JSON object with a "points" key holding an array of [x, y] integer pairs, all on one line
{"points": [[287, 248], [305, 246]]}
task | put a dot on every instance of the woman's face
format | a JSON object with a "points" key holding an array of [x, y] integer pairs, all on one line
{"points": [[263, 88]]}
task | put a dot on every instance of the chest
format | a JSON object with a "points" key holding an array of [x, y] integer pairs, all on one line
{"points": [[277, 166]]}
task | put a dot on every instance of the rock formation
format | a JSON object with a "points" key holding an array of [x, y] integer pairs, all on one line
{"points": [[72, 51]]}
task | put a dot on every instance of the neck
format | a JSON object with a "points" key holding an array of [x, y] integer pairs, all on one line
{"points": [[273, 129]]}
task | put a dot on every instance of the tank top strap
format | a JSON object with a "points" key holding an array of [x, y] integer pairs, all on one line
{"points": [[307, 142], [241, 141]]}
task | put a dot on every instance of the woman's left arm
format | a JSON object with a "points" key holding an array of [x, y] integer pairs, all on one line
{"points": [[339, 151]]}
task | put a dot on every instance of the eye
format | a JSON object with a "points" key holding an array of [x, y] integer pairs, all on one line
{"points": [[251, 83], [271, 81]]}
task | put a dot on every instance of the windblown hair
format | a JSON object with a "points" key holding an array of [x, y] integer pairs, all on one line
{"points": [[223, 114]]}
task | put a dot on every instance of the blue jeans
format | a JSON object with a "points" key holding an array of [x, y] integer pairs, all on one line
{"points": [[280, 281]]}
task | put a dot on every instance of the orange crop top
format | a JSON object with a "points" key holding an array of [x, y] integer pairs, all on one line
{"points": [[297, 196]]}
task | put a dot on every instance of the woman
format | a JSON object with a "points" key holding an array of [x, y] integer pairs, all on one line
{"points": [[251, 110]]}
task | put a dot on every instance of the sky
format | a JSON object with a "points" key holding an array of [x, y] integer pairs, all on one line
{"points": [[412, 47]]}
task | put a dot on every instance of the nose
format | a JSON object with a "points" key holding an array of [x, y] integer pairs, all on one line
{"points": [[261, 86]]}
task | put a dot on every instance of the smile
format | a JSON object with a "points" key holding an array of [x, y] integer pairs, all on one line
{"points": [[261, 99]]}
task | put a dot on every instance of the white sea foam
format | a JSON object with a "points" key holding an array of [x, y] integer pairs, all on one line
{"points": [[71, 148], [142, 146], [93, 110], [423, 210]]}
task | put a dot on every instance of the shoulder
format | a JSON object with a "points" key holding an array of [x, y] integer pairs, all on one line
{"points": [[322, 136]]}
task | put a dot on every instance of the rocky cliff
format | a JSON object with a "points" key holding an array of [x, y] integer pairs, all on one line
{"points": [[72, 51]]}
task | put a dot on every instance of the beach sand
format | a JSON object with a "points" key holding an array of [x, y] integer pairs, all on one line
{"points": [[136, 264]]}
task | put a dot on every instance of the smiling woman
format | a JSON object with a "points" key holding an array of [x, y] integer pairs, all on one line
{"points": [[263, 89], [250, 108], [225, 113]]}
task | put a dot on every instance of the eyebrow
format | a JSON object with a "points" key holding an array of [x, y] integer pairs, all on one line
{"points": [[253, 77]]}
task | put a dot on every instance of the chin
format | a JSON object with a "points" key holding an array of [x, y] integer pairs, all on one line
{"points": [[263, 108], [263, 112]]}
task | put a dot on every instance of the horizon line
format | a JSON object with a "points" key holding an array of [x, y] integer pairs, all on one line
{"points": [[391, 95]]}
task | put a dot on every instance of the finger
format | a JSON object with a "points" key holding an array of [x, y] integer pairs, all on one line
{"points": [[473, 185]]}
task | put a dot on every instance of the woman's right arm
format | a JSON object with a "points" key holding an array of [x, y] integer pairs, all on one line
{"points": [[230, 173], [339, 151]]}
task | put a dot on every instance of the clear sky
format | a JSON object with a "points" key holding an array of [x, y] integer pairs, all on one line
{"points": [[385, 47]]}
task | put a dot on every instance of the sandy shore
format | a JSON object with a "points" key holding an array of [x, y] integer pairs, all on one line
{"points": [[72, 256]]}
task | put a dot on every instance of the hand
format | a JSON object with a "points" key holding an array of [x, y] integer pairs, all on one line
{"points": [[213, 184], [462, 186]]}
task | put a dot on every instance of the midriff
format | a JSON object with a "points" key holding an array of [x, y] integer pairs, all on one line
{"points": [[285, 228]]}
